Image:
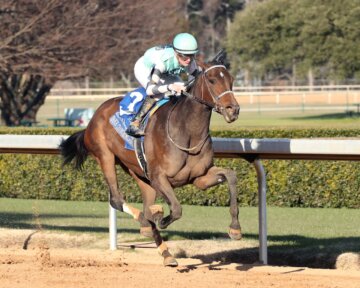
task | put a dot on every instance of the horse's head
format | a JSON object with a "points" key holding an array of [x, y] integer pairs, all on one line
{"points": [[215, 84]]}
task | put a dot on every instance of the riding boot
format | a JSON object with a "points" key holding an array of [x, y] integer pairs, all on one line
{"points": [[134, 127]]}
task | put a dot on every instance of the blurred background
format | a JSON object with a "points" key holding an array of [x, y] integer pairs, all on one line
{"points": [[290, 59]]}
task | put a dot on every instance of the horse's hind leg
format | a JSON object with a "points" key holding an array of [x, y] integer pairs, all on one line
{"points": [[153, 214], [107, 164], [215, 176], [117, 201]]}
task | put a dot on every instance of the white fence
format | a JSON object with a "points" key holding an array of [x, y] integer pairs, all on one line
{"points": [[105, 93], [252, 149], [256, 99]]}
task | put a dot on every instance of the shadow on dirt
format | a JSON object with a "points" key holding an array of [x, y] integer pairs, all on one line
{"points": [[282, 256], [302, 252]]}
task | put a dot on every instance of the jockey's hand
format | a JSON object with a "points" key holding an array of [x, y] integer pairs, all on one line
{"points": [[177, 87]]}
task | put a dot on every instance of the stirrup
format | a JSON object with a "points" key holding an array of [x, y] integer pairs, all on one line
{"points": [[134, 131]]}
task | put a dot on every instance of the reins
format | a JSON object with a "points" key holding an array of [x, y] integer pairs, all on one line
{"points": [[173, 141], [213, 105]]}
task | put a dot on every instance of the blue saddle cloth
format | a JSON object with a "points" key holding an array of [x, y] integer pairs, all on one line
{"points": [[128, 107]]}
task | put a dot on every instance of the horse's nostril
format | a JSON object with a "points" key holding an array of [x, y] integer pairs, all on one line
{"points": [[232, 109], [229, 108]]}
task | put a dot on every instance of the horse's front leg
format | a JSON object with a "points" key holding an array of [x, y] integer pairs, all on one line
{"points": [[163, 186], [153, 213], [214, 176]]}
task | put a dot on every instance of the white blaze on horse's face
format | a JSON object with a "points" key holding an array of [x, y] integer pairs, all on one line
{"points": [[219, 83]]}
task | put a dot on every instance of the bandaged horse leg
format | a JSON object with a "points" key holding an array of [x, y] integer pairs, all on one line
{"points": [[157, 212], [163, 250], [215, 176], [154, 213], [152, 232], [151, 211]]}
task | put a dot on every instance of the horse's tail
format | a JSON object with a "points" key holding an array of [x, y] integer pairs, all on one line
{"points": [[74, 148]]}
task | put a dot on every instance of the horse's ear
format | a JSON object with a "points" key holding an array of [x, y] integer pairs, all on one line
{"points": [[221, 58]]}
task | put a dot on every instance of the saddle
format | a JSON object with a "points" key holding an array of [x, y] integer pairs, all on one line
{"points": [[128, 107]]}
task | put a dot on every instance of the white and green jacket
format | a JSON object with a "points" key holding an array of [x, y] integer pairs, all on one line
{"points": [[162, 60]]}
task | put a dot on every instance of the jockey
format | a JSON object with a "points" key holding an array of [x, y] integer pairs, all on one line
{"points": [[151, 69]]}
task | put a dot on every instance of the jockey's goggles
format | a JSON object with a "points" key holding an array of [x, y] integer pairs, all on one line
{"points": [[186, 57]]}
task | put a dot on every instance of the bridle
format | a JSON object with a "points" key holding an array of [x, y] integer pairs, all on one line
{"points": [[212, 105], [215, 104]]}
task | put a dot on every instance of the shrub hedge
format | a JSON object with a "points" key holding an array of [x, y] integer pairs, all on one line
{"points": [[295, 183]]}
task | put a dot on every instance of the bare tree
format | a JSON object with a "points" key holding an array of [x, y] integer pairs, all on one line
{"points": [[144, 25], [45, 41], [210, 20]]}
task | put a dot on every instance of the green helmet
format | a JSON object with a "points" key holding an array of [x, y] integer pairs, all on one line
{"points": [[185, 43]]}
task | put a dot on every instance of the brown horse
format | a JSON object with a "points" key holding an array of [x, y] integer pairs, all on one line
{"points": [[178, 151]]}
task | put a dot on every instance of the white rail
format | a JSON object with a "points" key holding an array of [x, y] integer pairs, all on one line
{"points": [[251, 149], [247, 91], [88, 91]]}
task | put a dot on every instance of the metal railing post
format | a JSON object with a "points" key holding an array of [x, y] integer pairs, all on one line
{"points": [[261, 178], [112, 228]]}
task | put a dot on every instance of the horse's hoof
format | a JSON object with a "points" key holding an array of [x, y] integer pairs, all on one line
{"points": [[162, 224], [146, 231], [235, 234], [170, 262]]}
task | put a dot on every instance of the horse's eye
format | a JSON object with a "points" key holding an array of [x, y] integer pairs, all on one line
{"points": [[212, 81]]}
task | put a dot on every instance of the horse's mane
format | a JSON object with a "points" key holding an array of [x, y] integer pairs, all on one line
{"points": [[219, 59]]}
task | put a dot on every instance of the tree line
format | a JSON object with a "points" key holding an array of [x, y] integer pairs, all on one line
{"points": [[297, 40], [42, 42], [46, 41]]}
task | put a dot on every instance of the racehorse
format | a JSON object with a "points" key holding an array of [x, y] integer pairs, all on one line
{"points": [[178, 151]]}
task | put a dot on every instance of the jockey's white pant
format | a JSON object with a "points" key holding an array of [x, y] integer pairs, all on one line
{"points": [[142, 73]]}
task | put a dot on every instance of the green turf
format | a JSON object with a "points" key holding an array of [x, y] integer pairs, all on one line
{"points": [[296, 236], [285, 225]]}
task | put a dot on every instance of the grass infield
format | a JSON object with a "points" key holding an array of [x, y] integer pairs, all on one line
{"points": [[293, 233]]}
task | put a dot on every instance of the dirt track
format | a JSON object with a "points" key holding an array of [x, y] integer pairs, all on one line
{"points": [[40, 266], [43, 267]]}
